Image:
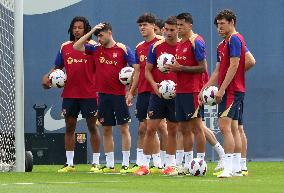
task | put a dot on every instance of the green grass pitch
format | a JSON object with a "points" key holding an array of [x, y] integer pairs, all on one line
{"points": [[264, 177]]}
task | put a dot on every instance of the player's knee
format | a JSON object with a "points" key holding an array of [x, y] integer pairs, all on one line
{"points": [[141, 132], [151, 131], [107, 132]]}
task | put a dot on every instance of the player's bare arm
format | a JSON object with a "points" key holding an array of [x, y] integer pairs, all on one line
{"points": [[249, 61], [150, 79], [133, 84], [79, 45], [45, 80], [234, 64], [212, 81], [176, 67]]}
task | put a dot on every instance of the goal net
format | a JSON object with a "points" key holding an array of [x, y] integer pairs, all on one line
{"points": [[8, 98]]}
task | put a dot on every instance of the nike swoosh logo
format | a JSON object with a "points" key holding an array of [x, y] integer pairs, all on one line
{"points": [[32, 7], [51, 124]]}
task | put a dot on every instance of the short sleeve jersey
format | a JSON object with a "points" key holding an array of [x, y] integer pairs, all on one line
{"points": [[141, 54], [109, 62], [189, 53], [80, 71], [233, 46], [157, 49]]}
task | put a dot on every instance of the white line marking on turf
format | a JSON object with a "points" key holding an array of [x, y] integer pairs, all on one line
{"points": [[24, 183], [86, 182]]}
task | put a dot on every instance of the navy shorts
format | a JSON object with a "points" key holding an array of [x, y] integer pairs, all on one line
{"points": [[230, 105], [241, 111], [187, 106], [71, 107], [161, 108], [112, 110], [142, 105]]}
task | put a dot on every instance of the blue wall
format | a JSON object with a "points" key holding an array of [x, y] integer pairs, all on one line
{"points": [[261, 23]]}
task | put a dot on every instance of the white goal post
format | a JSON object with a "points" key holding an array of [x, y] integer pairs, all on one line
{"points": [[12, 146]]}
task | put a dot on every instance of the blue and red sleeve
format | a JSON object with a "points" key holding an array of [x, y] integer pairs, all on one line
{"points": [[59, 62], [129, 57], [151, 55], [235, 46], [199, 50]]}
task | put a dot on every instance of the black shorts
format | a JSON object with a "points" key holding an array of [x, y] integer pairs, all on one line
{"points": [[187, 106], [112, 110], [230, 105], [161, 108], [241, 112], [142, 105], [73, 106]]}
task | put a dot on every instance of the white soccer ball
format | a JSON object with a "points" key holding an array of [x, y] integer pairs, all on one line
{"points": [[163, 60], [198, 167], [57, 78], [125, 75], [208, 95], [168, 89]]}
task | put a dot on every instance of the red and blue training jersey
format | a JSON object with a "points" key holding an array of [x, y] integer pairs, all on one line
{"points": [[189, 53], [80, 71], [233, 46], [155, 50], [141, 53], [109, 62]]}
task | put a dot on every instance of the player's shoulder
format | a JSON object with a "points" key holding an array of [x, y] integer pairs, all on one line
{"points": [[139, 44], [92, 42], [236, 37], [122, 46], [65, 44], [157, 43], [193, 38], [159, 37]]}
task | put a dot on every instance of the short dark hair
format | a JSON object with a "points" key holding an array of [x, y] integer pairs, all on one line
{"points": [[226, 14], [172, 20], [146, 17], [87, 26], [186, 16], [107, 26], [160, 23]]}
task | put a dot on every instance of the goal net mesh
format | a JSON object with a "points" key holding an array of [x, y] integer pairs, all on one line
{"points": [[7, 86]]}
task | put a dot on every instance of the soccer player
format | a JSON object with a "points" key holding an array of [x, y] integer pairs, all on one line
{"points": [[79, 93], [146, 24], [190, 67], [160, 108], [110, 57], [159, 27], [229, 73]]}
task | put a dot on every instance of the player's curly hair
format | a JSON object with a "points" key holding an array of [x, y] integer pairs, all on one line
{"points": [[87, 26], [186, 16], [146, 17], [226, 14], [107, 27]]}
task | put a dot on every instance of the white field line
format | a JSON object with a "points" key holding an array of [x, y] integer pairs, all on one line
{"points": [[86, 182]]}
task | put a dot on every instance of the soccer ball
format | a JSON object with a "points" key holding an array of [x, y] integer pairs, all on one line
{"points": [[198, 167], [208, 95], [125, 75], [57, 78], [163, 60], [168, 89]]}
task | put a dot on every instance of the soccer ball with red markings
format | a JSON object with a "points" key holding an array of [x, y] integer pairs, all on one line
{"points": [[168, 89], [57, 78], [198, 167], [125, 75], [163, 60], [208, 95]]}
